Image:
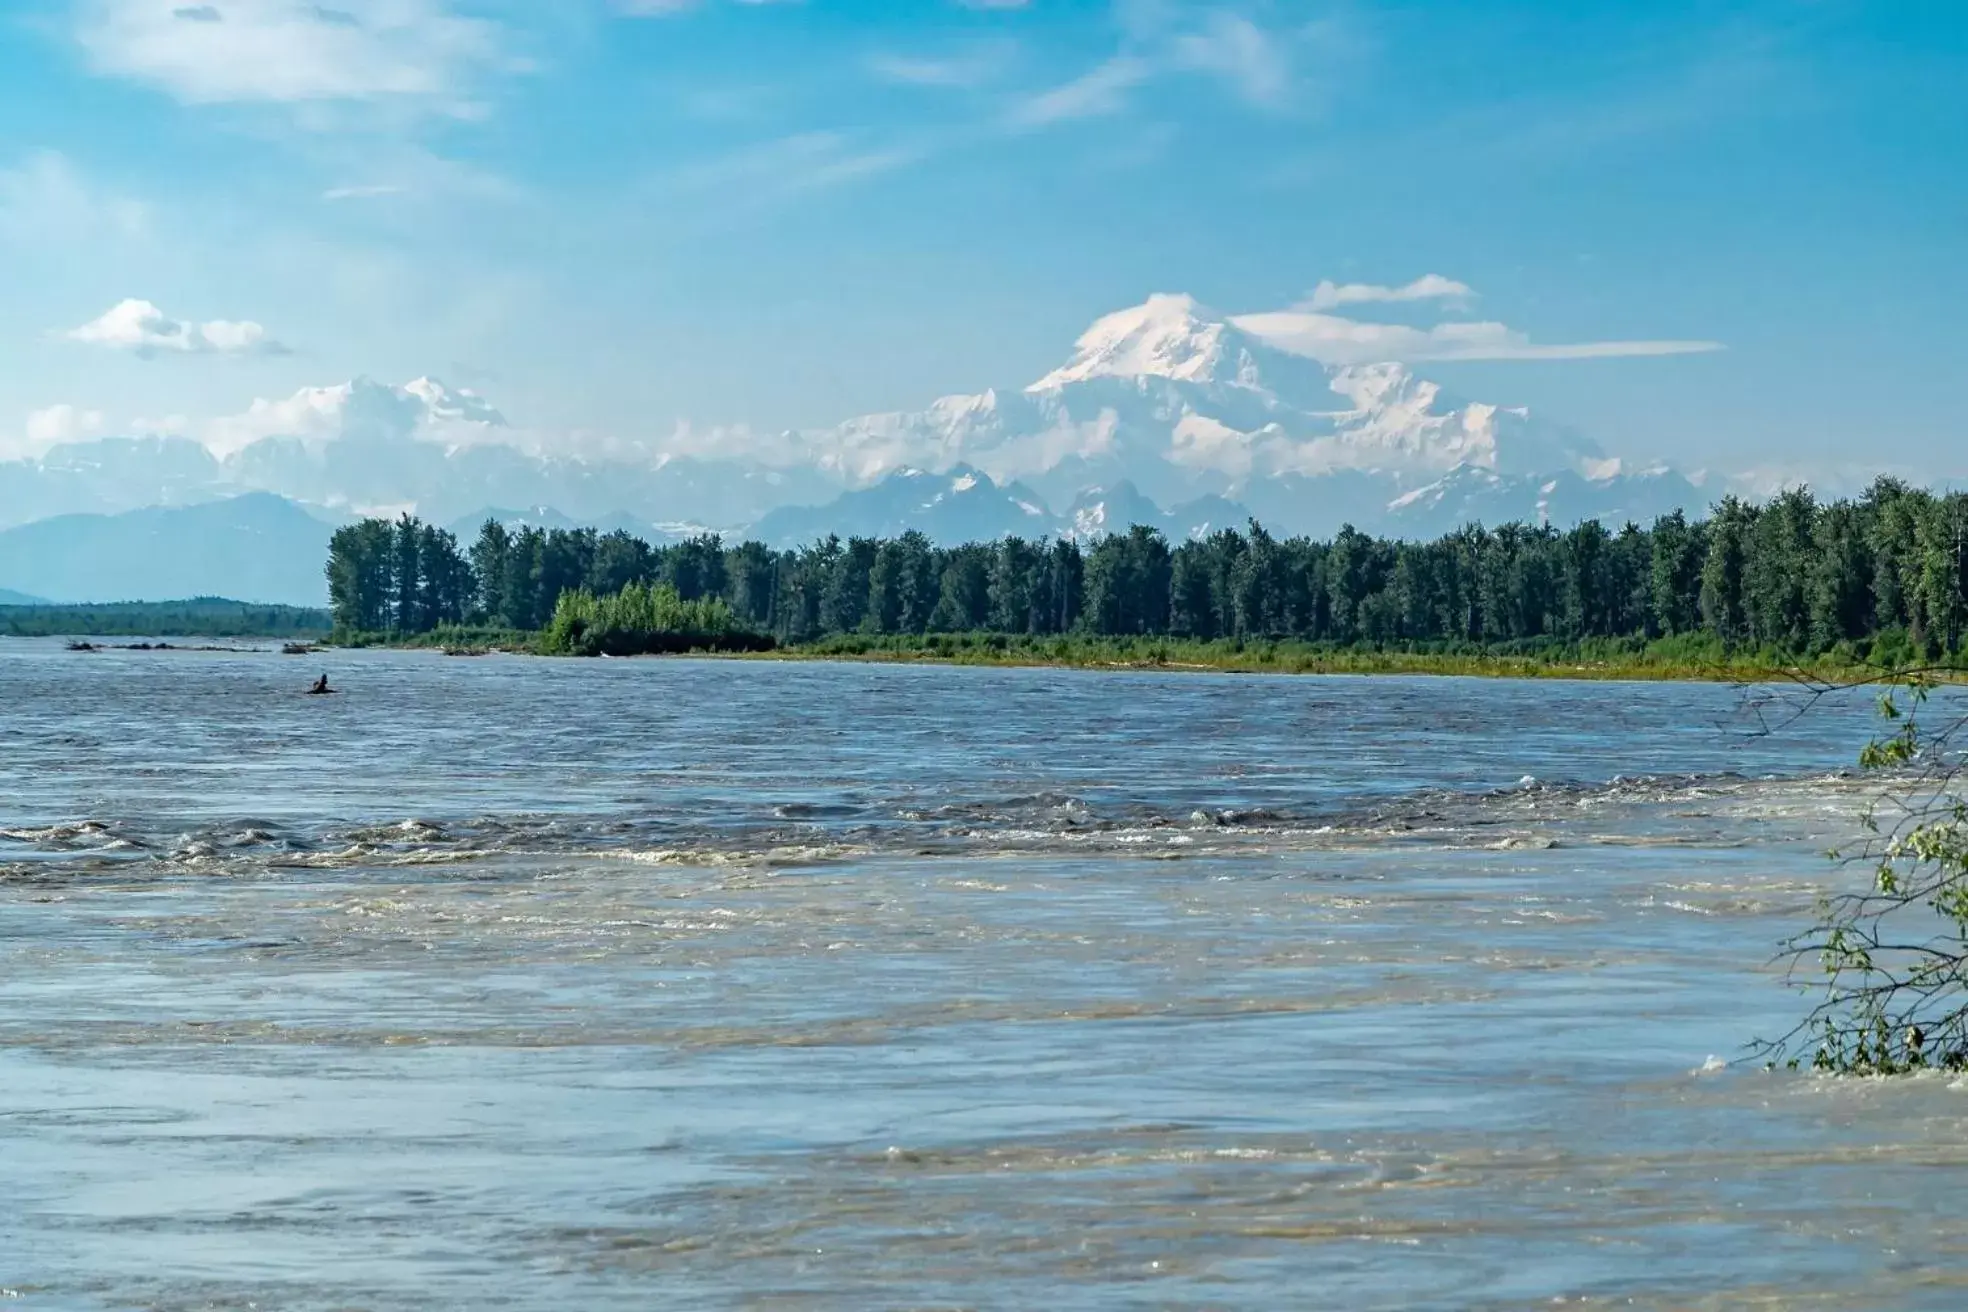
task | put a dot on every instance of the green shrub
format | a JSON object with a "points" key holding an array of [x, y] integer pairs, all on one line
{"points": [[644, 620]]}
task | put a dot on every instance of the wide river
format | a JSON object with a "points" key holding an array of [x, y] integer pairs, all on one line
{"points": [[508, 983]]}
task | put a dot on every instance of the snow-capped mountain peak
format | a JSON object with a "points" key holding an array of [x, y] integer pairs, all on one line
{"points": [[447, 403], [965, 408], [1380, 386], [1166, 336]]}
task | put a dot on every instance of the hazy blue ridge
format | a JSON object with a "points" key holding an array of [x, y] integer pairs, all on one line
{"points": [[257, 548]]}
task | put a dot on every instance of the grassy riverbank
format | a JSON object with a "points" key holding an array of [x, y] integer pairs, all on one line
{"points": [[469, 640], [1664, 659]]}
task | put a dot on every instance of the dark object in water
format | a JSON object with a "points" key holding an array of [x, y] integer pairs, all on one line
{"points": [[320, 688], [296, 649], [82, 646]]}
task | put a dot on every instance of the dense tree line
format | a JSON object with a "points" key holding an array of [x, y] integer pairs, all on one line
{"points": [[402, 577], [198, 617], [1794, 575]]}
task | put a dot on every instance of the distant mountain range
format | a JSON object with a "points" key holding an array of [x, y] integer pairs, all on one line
{"points": [[966, 505], [466, 527], [370, 448], [1165, 414], [9, 598], [257, 548]]}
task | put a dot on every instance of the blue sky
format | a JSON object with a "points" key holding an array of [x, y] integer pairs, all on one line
{"points": [[613, 216]]}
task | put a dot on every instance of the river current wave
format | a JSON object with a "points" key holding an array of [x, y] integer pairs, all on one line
{"points": [[546, 984]]}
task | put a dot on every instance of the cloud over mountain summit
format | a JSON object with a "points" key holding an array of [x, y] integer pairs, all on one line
{"points": [[1161, 404]]}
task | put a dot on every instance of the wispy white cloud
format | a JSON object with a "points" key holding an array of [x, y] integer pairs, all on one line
{"points": [[143, 329], [46, 198], [370, 168], [1232, 47], [1101, 91], [366, 191], [1429, 287], [790, 166], [1311, 329], [280, 51], [1160, 40], [974, 67], [1335, 339]]}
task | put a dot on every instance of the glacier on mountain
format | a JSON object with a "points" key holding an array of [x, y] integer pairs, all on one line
{"points": [[1182, 401], [1163, 404]]}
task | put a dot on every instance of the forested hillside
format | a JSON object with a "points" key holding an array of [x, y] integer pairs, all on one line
{"points": [[197, 617], [1888, 571]]}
